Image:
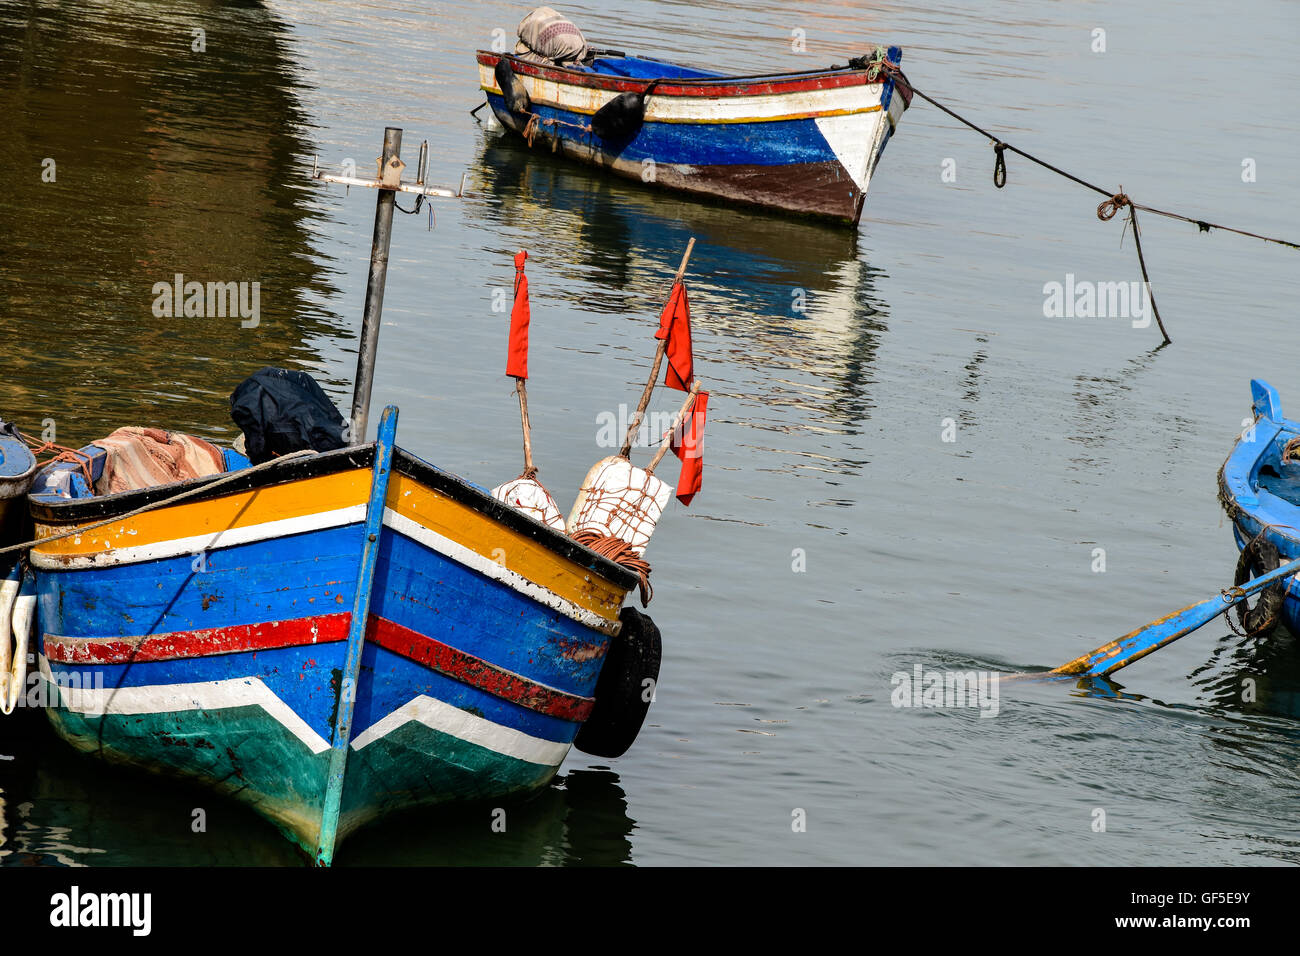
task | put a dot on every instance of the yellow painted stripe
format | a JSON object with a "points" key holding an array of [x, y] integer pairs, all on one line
{"points": [[710, 121], [301, 499], [273, 503], [506, 547]]}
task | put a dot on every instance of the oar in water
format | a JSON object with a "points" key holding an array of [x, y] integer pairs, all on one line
{"points": [[525, 493], [1109, 658]]}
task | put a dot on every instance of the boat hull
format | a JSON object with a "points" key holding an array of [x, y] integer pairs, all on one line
{"points": [[802, 143], [17, 469], [208, 640], [1253, 489]]}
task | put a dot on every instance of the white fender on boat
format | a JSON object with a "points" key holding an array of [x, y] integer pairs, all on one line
{"points": [[528, 495], [24, 615], [8, 598], [620, 500]]}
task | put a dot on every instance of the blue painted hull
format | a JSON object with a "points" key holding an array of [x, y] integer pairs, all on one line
{"points": [[1260, 492], [225, 666], [806, 143]]}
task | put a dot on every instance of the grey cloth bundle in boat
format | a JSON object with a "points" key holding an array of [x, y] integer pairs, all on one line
{"points": [[547, 37]]}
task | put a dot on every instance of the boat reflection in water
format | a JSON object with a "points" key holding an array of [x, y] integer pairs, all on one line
{"points": [[65, 816], [792, 302], [580, 820], [148, 160]]}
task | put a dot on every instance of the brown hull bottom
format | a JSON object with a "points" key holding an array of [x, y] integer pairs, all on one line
{"points": [[824, 190]]}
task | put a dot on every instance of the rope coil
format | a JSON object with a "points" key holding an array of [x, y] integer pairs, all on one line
{"points": [[62, 453], [1109, 207], [620, 552]]}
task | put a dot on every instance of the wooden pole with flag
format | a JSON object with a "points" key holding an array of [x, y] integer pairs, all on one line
{"points": [[525, 493], [680, 417], [517, 357], [688, 448], [634, 423], [617, 499]]}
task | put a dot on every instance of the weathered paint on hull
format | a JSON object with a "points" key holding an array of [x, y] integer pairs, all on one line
{"points": [[809, 150], [1251, 506], [1291, 590], [476, 674], [240, 753]]}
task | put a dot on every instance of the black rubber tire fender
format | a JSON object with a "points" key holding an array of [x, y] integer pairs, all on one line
{"points": [[516, 96], [1259, 557], [624, 689], [622, 117]]}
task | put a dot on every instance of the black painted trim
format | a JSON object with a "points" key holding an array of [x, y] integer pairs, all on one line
{"points": [[55, 511]]}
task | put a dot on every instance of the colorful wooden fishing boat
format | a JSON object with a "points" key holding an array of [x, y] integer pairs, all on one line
{"points": [[17, 469], [805, 142], [1259, 488], [212, 637]]}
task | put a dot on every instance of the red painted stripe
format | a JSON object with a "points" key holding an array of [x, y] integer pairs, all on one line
{"points": [[324, 629], [781, 83], [181, 644], [478, 673]]}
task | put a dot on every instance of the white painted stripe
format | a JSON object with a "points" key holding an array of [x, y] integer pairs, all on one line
{"points": [[497, 572], [853, 140], [857, 98], [172, 698], [468, 727], [243, 692], [282, 527], [896, 107]]}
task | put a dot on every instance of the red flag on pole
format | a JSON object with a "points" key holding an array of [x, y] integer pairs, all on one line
{"points": [[690, 449], [517, 356], [675, 326]]}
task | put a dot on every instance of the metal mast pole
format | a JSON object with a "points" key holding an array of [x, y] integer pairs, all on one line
{"points": [[390, 177]]}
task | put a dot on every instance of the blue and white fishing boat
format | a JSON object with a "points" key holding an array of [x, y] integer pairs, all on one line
{"points": [[805, 142], [1259, 488]]}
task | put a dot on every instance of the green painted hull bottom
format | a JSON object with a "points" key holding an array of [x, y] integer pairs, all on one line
{"points": [[244, 754]]}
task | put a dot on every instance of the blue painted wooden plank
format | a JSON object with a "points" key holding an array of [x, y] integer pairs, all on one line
{"points": [[1265, 400], [1151, 637], [384, 445]]}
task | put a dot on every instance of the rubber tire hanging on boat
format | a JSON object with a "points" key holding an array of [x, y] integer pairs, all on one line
{"points": [[625, 688], [1259, 557], [622, 117], [516, 96]]}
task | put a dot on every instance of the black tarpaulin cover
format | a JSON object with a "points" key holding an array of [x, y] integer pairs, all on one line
{"points": [[281, 410]]}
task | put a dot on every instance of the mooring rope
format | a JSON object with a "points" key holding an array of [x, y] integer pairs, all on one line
{"points": [[1114, 202], [620, 552], [61, 453], [535, 120], [170, 499]]}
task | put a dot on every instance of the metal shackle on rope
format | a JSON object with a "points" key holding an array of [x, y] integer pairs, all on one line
{"points": [[1109, 207], [1000, 165]]}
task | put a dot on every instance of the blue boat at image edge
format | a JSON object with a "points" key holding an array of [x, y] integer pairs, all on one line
{"points": [[1259, 488]]}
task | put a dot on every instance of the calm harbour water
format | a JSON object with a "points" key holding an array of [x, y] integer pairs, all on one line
{"points": [[826, 435]]}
